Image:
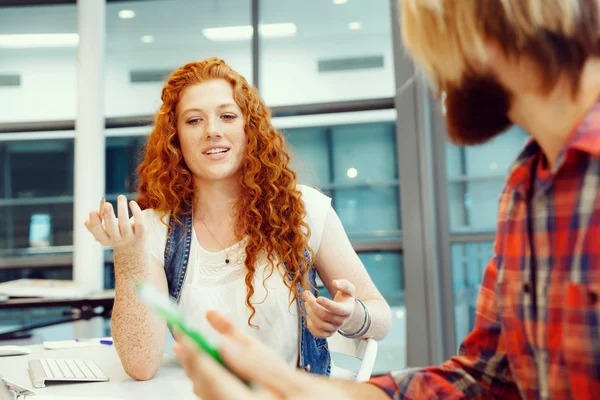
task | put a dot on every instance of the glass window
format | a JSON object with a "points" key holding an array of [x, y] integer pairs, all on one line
{"points": [[4, 164], [476, 176], [160, 36], [319, 51], [42, 225], [356, 165], [40, 168], [38, 71], [310, 152], [387, 271], [37, 208], [123, 155], [6, 242], [468, 265]]}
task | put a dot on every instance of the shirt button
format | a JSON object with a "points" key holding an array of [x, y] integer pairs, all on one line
{"points": [[593, 298], [526, 288]]}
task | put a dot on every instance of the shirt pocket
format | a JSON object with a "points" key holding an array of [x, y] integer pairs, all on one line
{"points": [[511, 296], [581, 339]]}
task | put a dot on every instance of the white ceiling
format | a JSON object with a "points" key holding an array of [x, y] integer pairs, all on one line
{"points": [[180, 22]]}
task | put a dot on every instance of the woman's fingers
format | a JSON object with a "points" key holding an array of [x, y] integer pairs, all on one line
{"points": [[111, 223], [96, 228], [123, 218], [139, 228]]}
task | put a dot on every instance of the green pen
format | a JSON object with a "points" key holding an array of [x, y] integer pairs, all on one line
{"points": [[166, 308]]}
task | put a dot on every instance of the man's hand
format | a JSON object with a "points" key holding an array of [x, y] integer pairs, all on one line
{"points": [[252, 361]]}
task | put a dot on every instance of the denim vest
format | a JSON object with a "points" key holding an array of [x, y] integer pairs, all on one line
{"points": [[313, 352]]}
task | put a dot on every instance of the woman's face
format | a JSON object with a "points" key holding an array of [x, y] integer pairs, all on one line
{"points": [[210, 127]]}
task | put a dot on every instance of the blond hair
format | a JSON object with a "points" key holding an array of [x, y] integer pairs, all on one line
{"points": [[446, 37]]}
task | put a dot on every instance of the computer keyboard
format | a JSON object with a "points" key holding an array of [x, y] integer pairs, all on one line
{"points": [[44, 370]]}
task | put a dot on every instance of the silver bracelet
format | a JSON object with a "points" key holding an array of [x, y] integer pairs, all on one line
{"points": [[365, 326]]}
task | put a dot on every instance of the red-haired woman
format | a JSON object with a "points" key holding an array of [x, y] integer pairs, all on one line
{"points": [[226, 226]]}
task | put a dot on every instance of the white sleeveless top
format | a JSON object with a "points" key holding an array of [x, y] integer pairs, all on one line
{"points": [[210, 284]]}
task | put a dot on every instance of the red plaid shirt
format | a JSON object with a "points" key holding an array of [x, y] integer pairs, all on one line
{"points": [[537, 328]]}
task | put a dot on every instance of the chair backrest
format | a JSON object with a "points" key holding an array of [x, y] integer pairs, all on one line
{"points": [[363, 349]]}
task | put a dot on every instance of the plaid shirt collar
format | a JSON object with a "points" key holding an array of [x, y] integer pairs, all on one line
{"points": [[584, 137]]}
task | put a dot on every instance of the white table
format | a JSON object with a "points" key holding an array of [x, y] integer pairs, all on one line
{"points": [[170, 381]]}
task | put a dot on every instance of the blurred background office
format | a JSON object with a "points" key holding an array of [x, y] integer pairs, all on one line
{"points": [[361, 126]]}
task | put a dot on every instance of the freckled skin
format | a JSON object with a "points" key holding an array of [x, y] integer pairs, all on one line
{"points": [[138, 334]]}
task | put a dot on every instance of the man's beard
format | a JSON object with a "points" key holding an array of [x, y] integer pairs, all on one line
{"points": [[477, 110]]}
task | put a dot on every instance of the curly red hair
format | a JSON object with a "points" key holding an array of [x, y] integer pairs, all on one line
{"points": [[270, 211]]}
